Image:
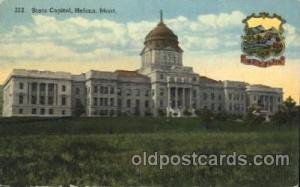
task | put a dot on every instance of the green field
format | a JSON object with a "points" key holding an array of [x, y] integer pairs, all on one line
{"points": [[97, 151], [1, 99]]}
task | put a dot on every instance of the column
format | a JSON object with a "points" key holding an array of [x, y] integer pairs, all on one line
{"points": [[169, 97], [183, 98], [38, 93], [46, 94], [29, 93], [176, 97], [55, 94], [191, 97]]}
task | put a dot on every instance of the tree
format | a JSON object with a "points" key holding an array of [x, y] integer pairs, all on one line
{"points": [[207, 117], [280, 118], [288, 112], [290, 105], [252, 116], [222, 116]]}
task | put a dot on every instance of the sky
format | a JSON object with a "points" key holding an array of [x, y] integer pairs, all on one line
{"points": [[209, 32]]}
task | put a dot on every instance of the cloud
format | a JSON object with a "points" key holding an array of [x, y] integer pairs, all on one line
{"points": [[223, 19], [292, 36], [86, 39]]}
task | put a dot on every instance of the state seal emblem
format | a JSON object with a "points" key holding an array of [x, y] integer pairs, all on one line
{"points": [[263, 41]]}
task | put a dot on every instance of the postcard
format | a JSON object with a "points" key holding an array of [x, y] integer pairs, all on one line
{"points": [[149, 93]]}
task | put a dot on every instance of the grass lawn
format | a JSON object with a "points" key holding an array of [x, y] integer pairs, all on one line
{"points": [[97, 151]]}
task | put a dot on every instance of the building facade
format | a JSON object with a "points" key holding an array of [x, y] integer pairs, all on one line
{"points": [[162, 85]]}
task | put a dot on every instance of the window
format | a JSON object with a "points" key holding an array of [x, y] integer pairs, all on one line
{"points": [[128, 92], [42, 100], [112, 102], [230, 96], [112, 90], [95, 101], [161, 103], [63, 100], [161, 76], [101, 101], [34, 87], [119, 91], [21, 99], [212, 96], [137, 103], [128, 103], [21, 86], [63, 112], [63, 88], [204, 96], [105, 102], [42, 88], [77, 91], [33, 111], [51, 111], [147, 93], [42, 111], [137, 92], [220, 97], [78, 102], [101, 89], [33, 100], [50, 100], [119, 102], [194, 93], [95, 89], [161, 92], [50, 88], [105, 90], [20, 111], [146, 104]]}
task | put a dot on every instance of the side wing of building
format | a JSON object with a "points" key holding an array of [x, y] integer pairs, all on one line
{"points": [[37, 93]]}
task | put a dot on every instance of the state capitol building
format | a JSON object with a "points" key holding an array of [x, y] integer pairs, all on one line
{"points": [[162, 85]]}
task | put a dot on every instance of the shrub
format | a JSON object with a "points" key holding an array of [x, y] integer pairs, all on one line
{"points": [[186, 112], [161, 112]]}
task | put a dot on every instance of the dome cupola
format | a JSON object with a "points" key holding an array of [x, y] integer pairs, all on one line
{"points": [[161, 37]]}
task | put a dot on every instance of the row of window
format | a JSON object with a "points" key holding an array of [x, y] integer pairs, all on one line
{"points": [[236, 97], [266, 98], [104, 101], [212, 107], [42, 111], [212, 96], [111, 90], [129, 103], [181, 79], [43, 100], [111, 102], [42, 87], [236, 108]]}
